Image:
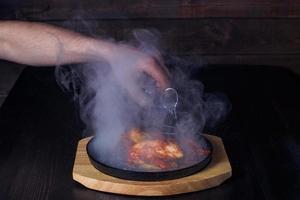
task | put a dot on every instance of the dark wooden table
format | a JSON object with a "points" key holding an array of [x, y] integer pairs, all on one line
{"points": [[40, 129]]}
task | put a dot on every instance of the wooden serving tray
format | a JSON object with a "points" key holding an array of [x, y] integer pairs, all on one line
{"points": [[213, 175]]}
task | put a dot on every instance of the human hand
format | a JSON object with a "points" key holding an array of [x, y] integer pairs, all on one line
{"points": [[128, 65]]}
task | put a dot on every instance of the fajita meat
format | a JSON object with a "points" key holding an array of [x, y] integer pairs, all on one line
{"points": [[155, 154], [154, 151]]}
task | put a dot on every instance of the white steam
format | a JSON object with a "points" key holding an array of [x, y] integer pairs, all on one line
{"points": [[108, 110]]}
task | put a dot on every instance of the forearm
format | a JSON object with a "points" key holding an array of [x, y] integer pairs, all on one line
{"points": [[41, 45]]}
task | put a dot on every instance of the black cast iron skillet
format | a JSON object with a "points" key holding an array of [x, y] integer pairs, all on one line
{"points": [[148, 176]]}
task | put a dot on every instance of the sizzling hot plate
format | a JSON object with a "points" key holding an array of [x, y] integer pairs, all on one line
{"points": [[148, 176]]}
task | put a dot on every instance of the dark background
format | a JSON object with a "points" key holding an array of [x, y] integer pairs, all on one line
{"points": [[252, 32], [263, 32], [247, 47]]}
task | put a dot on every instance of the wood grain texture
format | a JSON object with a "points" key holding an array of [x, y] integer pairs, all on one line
{"points": [[256, 32], [291, 62], [205, 36], [273, 42], [213, 175], [133, 9]]}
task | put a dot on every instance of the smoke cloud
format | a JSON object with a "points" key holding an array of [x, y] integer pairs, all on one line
{"points": [[109, 111]]}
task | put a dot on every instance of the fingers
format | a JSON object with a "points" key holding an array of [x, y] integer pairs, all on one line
{"points": [[159, 73], [137, 94]]}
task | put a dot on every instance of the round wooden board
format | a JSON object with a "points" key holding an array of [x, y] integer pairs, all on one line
{"points": [[213, 175]]}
